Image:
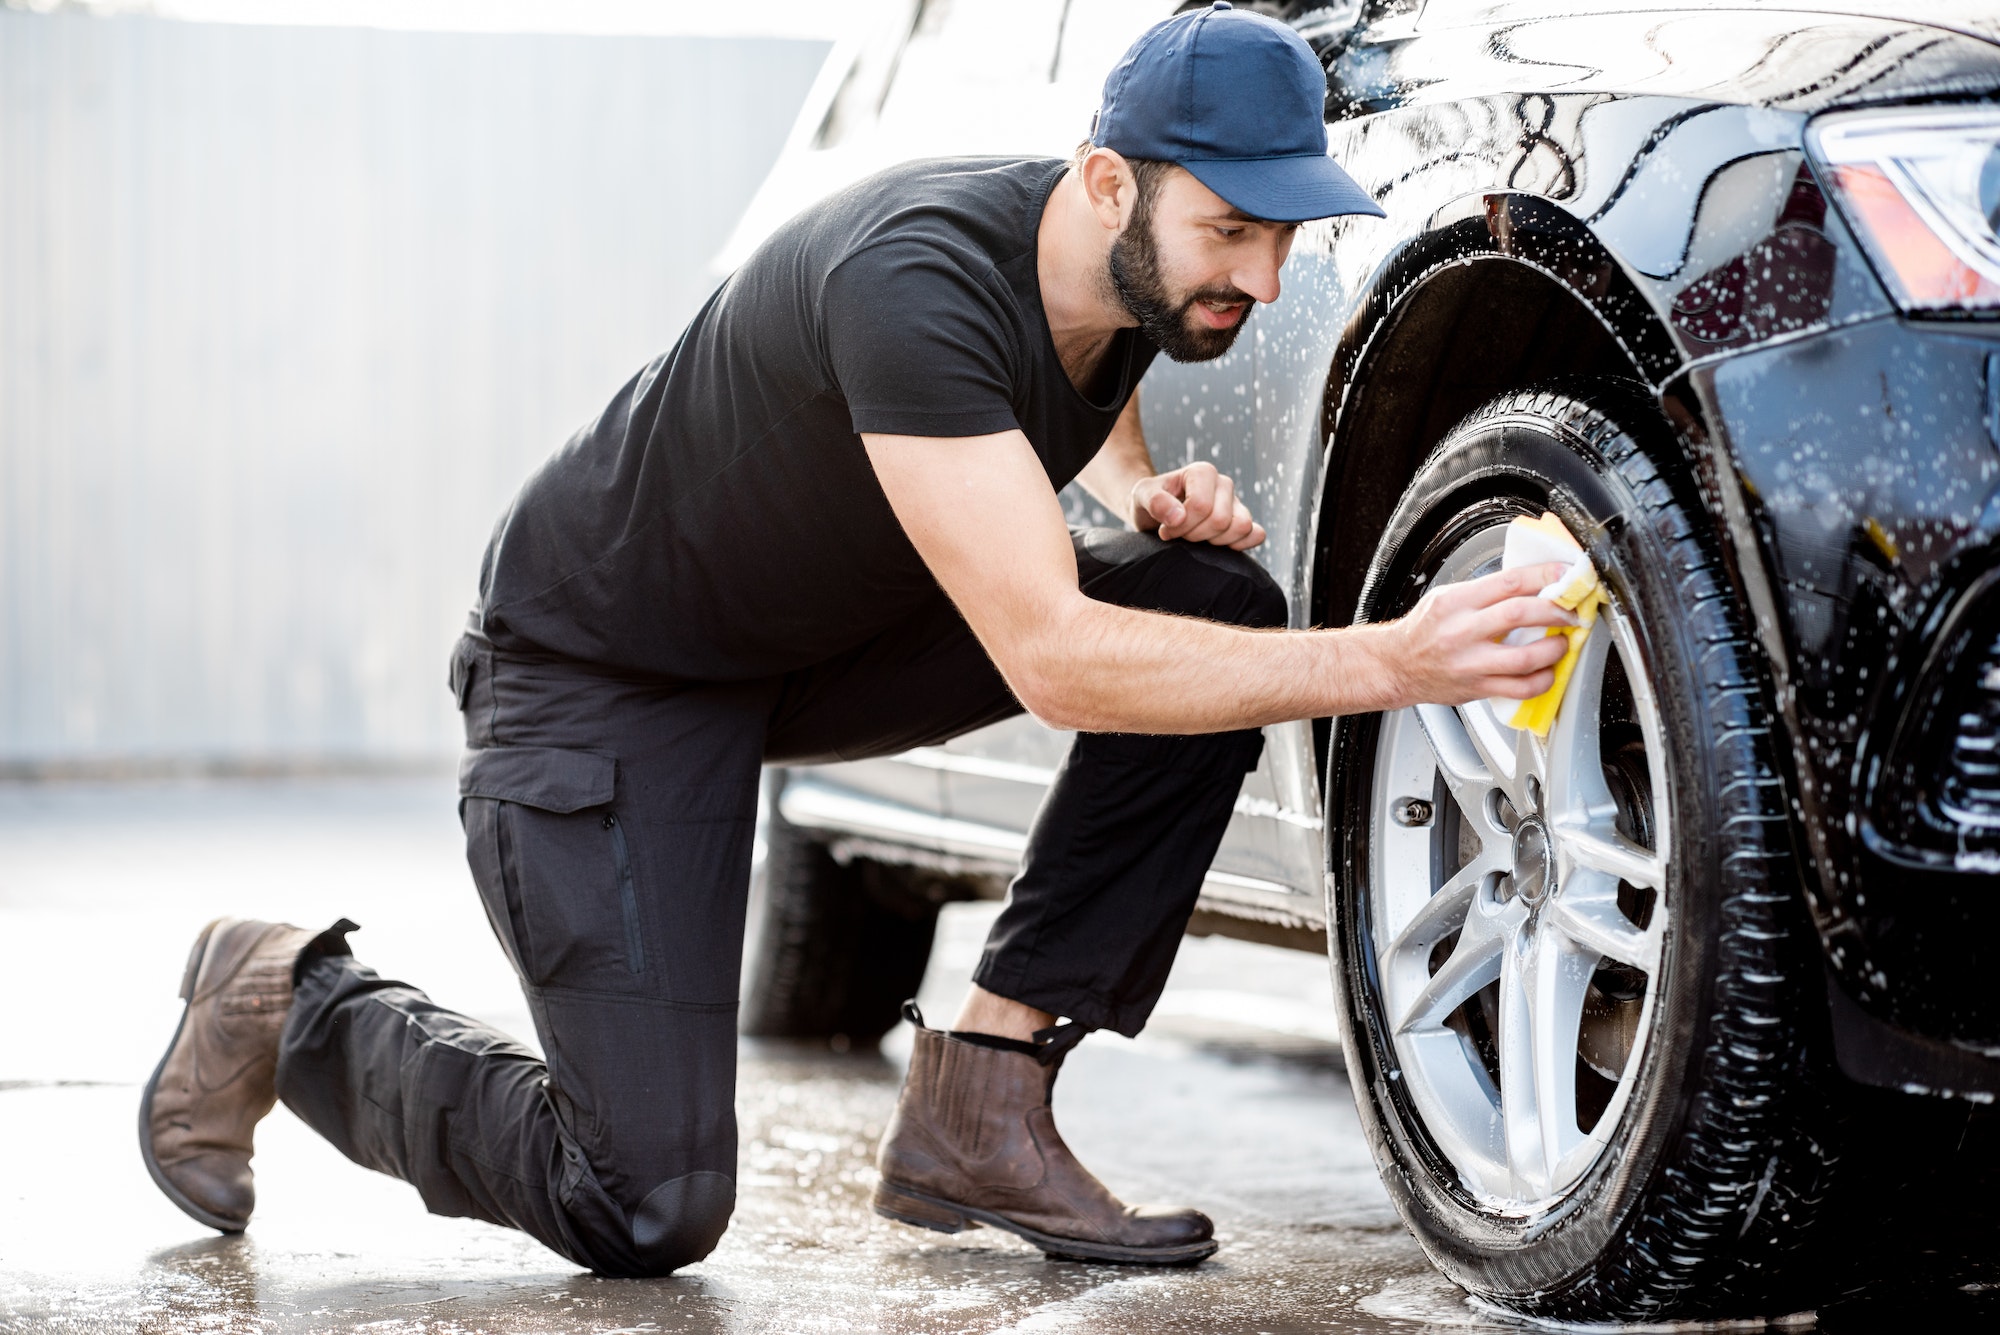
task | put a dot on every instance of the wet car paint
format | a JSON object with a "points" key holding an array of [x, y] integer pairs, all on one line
{"points": [[1867, 469], [1658, 177]]}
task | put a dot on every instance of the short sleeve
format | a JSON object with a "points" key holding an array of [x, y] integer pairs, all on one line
{"points": [[917, 345]]}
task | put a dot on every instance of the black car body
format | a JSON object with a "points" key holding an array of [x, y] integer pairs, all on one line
{"points": [[1850, 453], [1703, 202]]}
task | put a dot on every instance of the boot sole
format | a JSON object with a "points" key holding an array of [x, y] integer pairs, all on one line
{"points": [[160, 1178], [940, 1216]]}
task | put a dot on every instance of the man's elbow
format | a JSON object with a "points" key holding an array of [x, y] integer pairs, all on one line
{"points": [[1048, 666], [1048, 681], [1052, 696]]}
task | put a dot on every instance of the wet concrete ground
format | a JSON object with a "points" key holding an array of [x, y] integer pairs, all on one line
{"points": [[1233, 1101]]}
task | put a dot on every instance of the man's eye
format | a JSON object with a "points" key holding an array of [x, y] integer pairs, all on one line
{"points": [[1228, 233]]}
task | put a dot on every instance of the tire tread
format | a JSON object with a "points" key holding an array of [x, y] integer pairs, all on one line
{"points": [[837, 947]]}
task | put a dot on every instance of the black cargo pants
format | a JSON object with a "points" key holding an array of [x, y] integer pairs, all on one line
{"points": [[608, 823]]}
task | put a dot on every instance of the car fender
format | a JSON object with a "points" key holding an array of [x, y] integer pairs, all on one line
{"points": [[1524, 232]]}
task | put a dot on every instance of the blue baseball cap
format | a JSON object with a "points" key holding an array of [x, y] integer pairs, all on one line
{"points": [[1237, 99]]}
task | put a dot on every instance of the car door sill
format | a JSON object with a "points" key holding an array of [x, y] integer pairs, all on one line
{"points": [[818, 806], [985, 767]]}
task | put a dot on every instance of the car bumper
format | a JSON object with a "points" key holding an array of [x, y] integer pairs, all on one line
{"points": [[1860, 471]]}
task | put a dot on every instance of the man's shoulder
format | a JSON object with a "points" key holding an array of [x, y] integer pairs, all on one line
{"points": [[984, 175], [982, 209]]}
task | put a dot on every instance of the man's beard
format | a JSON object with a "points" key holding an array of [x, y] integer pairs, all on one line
{"points": [[1136, 278]]}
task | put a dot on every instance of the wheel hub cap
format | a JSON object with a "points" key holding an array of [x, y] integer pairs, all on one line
{"points": [[1534, 870]]}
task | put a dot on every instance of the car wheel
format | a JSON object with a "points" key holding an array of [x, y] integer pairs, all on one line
{"points": [[1579, 1005], [833, 946]]}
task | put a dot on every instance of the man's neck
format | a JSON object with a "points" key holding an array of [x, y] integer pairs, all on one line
{"points": [[1084, 314]]}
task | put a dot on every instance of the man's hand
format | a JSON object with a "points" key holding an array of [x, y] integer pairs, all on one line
{"points": [[1446, 650], [1195, 503]]}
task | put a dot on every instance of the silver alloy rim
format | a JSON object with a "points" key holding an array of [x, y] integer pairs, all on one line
{"points": [[1508, 957]]}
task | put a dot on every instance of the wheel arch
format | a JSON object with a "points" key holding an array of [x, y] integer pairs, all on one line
{"points": [[1498, 292]]}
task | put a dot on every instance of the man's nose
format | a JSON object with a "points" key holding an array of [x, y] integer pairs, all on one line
{"points": [[1259, 277]]}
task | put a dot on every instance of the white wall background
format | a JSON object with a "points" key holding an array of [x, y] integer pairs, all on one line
{"points": [[286, 314]]}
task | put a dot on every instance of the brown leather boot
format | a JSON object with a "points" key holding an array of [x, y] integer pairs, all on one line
{"points": [[216, 1081], [973, 1141]]}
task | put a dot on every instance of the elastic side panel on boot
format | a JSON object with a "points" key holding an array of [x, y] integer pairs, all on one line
{"points": [[262, 990], [977, 1091], [941, 1074]]}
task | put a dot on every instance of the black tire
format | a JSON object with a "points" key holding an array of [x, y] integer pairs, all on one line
{"points": [[1716, 1168], [833, 948]]}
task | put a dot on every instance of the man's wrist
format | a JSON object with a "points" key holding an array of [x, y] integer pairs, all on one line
{"points": [[1372, 676]]}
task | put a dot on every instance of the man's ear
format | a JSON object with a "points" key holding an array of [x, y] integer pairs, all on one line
{"points": [[1109, 186]]}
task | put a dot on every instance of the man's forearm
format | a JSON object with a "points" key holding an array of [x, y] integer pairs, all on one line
{"points": [[1079, 663], [1103, 668]]}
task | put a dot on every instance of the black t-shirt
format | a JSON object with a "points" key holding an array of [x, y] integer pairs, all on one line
{"points": [[720, 520]]}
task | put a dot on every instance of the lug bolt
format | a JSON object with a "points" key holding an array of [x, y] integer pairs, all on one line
{"points": [[1414, 812]]}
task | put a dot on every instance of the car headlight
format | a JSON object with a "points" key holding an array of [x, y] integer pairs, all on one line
{"points": [[1921, 188]]}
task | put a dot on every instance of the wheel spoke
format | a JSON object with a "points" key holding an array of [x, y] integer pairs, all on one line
{"points": [[1467, 772], [1595, 924], [1610, 852], [1577, 793], [1531, 761], [1588, 914], [1518, 1123], [1562, 976], [1543, 979], [1444, 912], [1474, 962], [1513, 754]]}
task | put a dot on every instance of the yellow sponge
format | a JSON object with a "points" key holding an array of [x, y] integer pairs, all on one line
{"points": [[1535, 542]]}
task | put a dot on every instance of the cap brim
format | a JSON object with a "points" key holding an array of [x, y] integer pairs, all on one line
{"points": [[1285, 189]]}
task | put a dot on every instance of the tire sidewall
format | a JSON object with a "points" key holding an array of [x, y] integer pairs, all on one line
{"points": [[1527, 461]]}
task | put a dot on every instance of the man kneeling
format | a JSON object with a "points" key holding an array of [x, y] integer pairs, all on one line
{"points": [[825, 526]]}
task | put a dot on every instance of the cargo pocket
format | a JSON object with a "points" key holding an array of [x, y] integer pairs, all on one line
{"points": [[555, 865], [471, 681]]}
